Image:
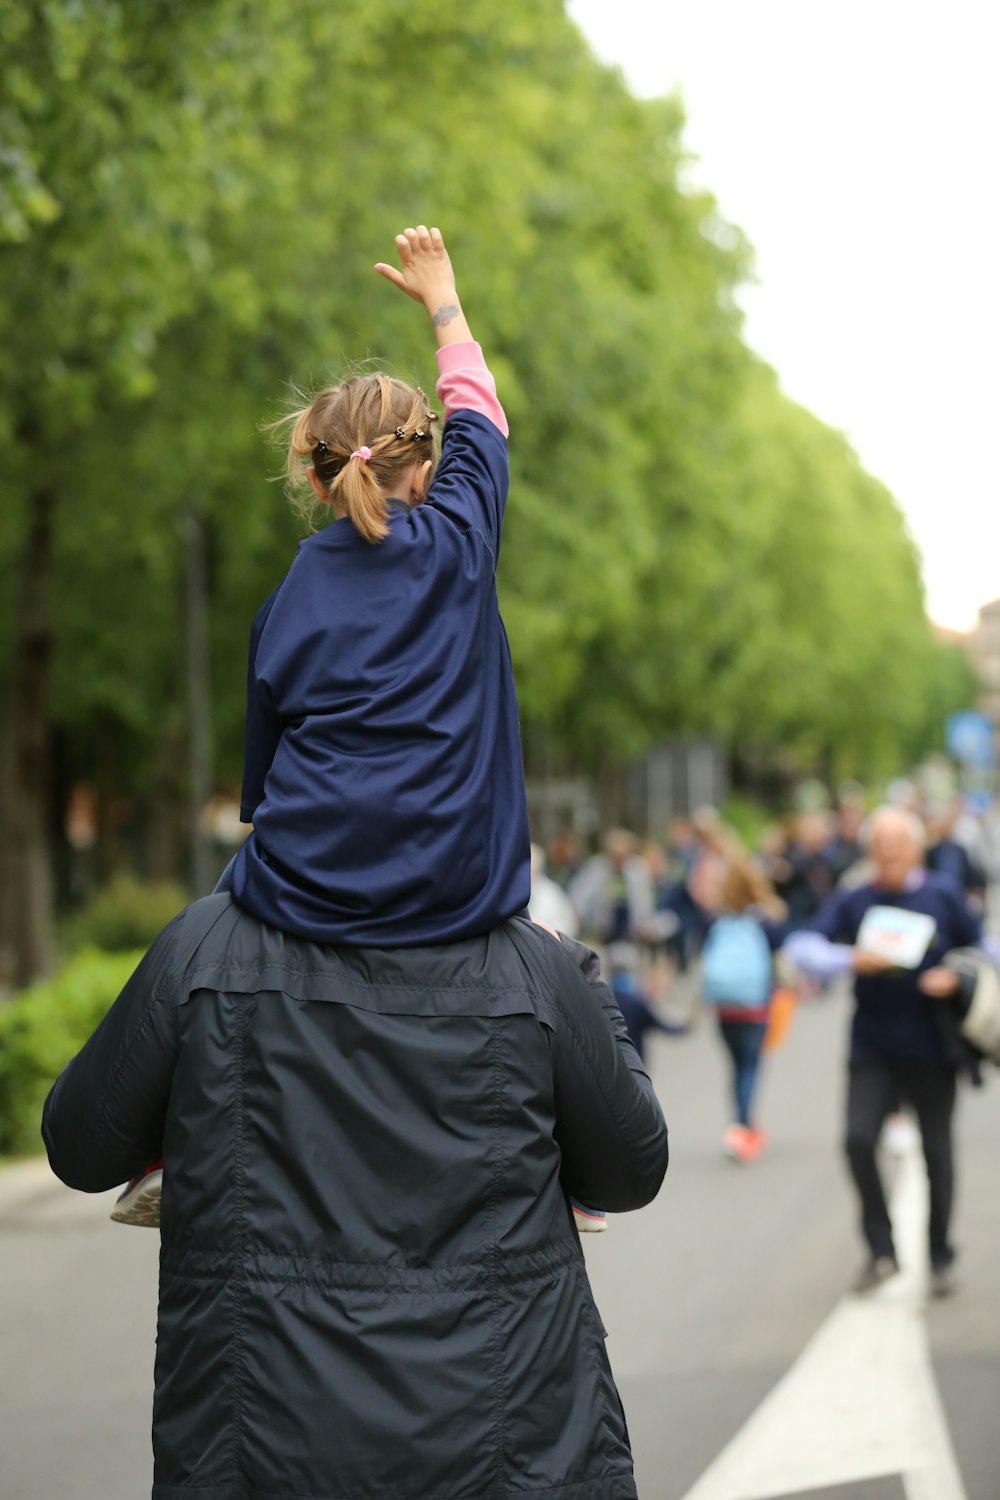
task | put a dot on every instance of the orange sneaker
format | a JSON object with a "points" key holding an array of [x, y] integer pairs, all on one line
{"points": [[740, 1143]]}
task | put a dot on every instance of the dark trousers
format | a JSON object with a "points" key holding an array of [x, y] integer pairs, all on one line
{"points": [[744, 1041], [875, 1089]]}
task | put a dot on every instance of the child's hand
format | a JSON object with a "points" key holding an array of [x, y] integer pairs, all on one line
{"points": [[427, 277], [426, 273]]}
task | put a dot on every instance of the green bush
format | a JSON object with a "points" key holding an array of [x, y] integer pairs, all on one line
{"points": [[42, 1028], [124, 914]]}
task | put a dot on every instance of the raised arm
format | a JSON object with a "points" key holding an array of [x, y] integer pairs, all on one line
{"points": [[426, 275], [471, 483]]}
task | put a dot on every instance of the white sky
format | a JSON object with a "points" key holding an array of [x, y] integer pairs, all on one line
{"points": [[857, 146]]}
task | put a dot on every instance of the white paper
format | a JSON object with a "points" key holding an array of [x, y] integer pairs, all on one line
{"points": [[902, 937]]}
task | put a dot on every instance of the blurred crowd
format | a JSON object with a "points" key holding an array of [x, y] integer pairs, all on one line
{"points": [[660, 896], [702, 918], [649, 905]]}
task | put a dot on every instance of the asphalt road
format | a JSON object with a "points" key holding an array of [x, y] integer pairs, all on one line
{"points": [[709, 1296]]}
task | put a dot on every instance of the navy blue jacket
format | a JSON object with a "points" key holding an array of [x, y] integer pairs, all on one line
{"points": [[894, 1020], [383, 770]]}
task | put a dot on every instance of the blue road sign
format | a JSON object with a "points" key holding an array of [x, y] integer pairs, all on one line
{"points": [[971, 738]]}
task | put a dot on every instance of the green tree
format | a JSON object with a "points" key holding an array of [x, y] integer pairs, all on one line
{"points": [[191, 198], [130, 136]]}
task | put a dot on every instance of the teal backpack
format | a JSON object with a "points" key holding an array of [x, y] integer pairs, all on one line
{"points": [[736, 966]]}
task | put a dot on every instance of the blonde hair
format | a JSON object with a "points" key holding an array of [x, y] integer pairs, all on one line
{"points": [[745, 884], [390, 418]]}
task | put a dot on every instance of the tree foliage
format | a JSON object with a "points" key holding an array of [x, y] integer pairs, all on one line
{"points": [[191, 197]]}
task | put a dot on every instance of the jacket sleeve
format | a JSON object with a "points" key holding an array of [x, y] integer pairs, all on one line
{"points": [[103, 1119], [609, 1125], [263, 724], [473, 477]]}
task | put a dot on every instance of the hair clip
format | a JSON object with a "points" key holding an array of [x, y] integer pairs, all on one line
{"points": [[401, 432], [417, 433], [321, 445]]}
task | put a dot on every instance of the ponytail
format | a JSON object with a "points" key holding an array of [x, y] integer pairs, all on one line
{"points": [[359, 438], [361, 496]]}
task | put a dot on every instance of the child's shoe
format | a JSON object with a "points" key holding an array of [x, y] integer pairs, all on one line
{"points": [[589, 1220], [139, 1203]]}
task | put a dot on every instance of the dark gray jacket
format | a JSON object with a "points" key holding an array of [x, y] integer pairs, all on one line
{"points": [[370, 1286]]}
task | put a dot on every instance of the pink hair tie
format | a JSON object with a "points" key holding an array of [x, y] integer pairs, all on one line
{"points": [[363, 453]]}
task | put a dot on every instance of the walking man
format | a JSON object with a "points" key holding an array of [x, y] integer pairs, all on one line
{"points": [[892, 933]]}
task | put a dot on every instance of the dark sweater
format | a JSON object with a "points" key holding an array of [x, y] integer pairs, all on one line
{"points": [[894, 1020], [383, 762]]}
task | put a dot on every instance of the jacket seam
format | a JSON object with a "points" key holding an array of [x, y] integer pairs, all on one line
{"points": [[239, 1278], [125, 1060], [493, 1292], [259, 966], [460, 1288]]}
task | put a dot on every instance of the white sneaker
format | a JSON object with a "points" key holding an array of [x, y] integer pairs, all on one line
{"points": [[140, 1202]]}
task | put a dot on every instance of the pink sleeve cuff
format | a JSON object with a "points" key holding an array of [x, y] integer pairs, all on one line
{"points": [[465, 384]]}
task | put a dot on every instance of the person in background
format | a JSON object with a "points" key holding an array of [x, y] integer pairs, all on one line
{"points": [[682, 848], [845, 851], [549, 903], [673, 894], [613, 897], [949, 856], [612, 892], [660, 873], [809, 875], [563, 857], [702, 895], [904, 1043], [738, 980]]}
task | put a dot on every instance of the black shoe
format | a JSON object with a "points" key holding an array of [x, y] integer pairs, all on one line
{"points": [[944, 1282], [881, 1269]]}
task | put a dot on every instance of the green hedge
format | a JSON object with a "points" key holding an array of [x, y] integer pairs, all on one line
{"points": [[42, 1028], [126, 913]]}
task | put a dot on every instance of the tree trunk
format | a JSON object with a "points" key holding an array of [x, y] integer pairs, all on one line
{"points": [[27, 931], [166, 815], [199, 698]]}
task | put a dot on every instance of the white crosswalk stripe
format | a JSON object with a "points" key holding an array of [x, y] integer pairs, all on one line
{"points": [[860, 1402]]}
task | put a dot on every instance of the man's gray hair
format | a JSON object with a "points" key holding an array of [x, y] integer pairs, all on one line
{"points": [[899, 817]]}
